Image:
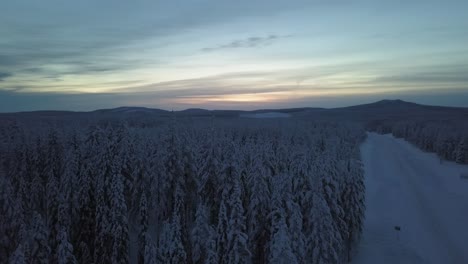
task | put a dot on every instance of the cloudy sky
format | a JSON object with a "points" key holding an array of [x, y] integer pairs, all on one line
{"points": [[88, 54]]}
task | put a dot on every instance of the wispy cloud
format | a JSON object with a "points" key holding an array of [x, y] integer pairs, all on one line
{"points": [[4, 75], [164, 51], [458, 76], [12, 101], [251, 42]]}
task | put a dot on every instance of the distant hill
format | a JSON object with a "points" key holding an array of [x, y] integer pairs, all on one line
{"points": [[398, 109], [381, 110], [131, 110]]}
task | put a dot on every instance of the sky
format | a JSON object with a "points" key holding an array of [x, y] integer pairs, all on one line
{"points": [[85, 55]]}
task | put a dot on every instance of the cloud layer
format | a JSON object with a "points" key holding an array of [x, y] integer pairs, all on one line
{"points": [[251, 42], [227, 53]]}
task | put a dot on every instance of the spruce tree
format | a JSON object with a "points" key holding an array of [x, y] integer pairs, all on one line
{"points": [[18, 256], [40, 250], [119, 224], [64, 249], [142, 236]]}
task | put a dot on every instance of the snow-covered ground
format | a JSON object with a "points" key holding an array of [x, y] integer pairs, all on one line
{"points": [[267, 115], [414, 190]]}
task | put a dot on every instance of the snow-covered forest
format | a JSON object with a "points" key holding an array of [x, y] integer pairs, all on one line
{"points": [[210, 191], [447, 138]]}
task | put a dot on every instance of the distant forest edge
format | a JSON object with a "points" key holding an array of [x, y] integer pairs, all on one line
{"points": [[449, 140], [212, 191], [443, 130]]}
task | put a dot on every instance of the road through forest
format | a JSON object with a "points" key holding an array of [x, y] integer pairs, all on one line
{"points": [[413, 190]]}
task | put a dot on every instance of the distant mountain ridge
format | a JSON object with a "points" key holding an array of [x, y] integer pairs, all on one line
{"points": [[384, 109], [390, 109], [130, 110]]}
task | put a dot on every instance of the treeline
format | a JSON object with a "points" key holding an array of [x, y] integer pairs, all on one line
{"points": [[212, 192], [448, 139]]}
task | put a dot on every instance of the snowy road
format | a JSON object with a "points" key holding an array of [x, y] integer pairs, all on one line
{"points": [[412, 189]]}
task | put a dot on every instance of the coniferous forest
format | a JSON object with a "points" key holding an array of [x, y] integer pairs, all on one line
{"points": [[449, 139], [179, 191]]}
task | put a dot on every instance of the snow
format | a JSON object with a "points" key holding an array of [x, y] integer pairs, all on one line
{"points": [[267, 115], [418, 192]]}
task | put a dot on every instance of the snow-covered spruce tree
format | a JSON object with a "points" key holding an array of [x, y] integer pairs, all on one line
{"points": [[353, 204], [52, 214], [40, 250], [119, 222], [63, 211], [165, 242], [199, 145], [143, 225], [331, 190], [69, 182], [152, 162], [448, 147], [18, 256], [189, 187], [201, 234], [129, 165], [171, 249], [293, 186], [461, 151], [221, 231], [150, 254], [54, 170], [179, 215], [84, 254], [173, 179], [182, 186], [295, 221], [211, 257], [103, 242], [37, 192], [280, 246], [22, 178], [324, 240], [209, 187], [9, 222], [25, 192], [111, 242], [85, 231], [64, 248], [171, 244], [257, 212], [237, 240]]}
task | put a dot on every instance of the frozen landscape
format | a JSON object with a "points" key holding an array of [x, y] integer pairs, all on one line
{"points": [[233, 132], [300, 185], [416, 191]]}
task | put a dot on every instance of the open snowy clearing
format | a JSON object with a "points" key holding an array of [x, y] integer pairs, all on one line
{"points": [[414, 190], [267, 115]]}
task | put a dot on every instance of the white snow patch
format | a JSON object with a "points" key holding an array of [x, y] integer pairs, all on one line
{"points": [[267, 115], [421, 194]]}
